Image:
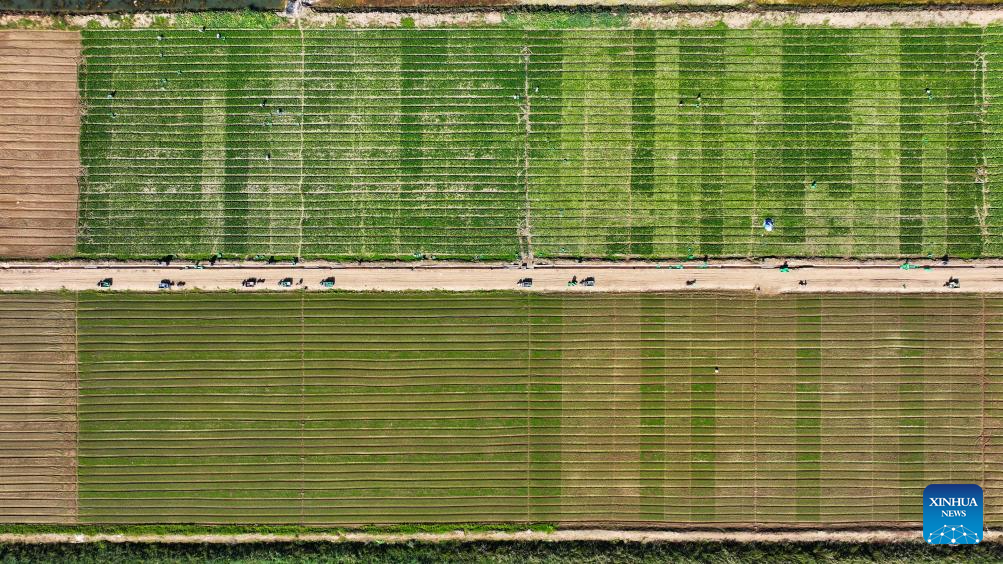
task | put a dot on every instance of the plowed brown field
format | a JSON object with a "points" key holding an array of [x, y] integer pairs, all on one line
{"points": [[38, 405], [39, 143]]}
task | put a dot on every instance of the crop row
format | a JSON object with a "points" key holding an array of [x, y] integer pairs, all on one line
{"points": [[598, 143], [346, 408]]}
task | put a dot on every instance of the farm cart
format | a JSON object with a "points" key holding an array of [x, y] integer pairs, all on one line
{"points": [[104, 283], [328, 282]]}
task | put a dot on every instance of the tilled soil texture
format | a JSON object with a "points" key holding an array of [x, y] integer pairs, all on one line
{"points": [[39, 143], [38, 396]]}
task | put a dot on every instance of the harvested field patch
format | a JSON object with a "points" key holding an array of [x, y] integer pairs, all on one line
{"points": [[38, 398], [501, 407], [39, 136], [500, 142]]}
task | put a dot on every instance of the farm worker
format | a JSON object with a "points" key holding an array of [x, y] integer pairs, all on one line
{"points": [[768, 224]]}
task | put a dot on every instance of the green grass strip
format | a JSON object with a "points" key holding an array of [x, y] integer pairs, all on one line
{"points": [[808, 408], [912, 141], [642, 168], [703, 423], [544, 391], [653, 421], [911, 392], [508, 552]]}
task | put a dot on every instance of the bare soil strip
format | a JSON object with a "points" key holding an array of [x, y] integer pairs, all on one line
{"points": [[873, 536], [38, 398], [39, 143], [733, 13], [765, 278]]}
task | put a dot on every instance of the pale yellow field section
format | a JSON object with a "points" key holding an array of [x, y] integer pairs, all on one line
{"points": [[39, 142]]}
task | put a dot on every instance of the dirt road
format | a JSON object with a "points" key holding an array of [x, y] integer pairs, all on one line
{"points": [[878, 535], [765, 278]]}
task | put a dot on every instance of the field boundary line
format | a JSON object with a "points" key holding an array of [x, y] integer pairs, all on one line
{"points": [[529, 406], [299, 27], [872, 362], [982, 175], [526, 112], [983, 384], [744, 534], [755, 408], [76, 406], [302, 402]]}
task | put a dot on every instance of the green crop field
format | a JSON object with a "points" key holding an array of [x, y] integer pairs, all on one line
{"points": [[503, 142], [502, 407]]}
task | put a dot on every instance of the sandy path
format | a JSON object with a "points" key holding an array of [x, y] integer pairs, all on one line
{"points": [[766, 278], [876, 535], [39, 133]]}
